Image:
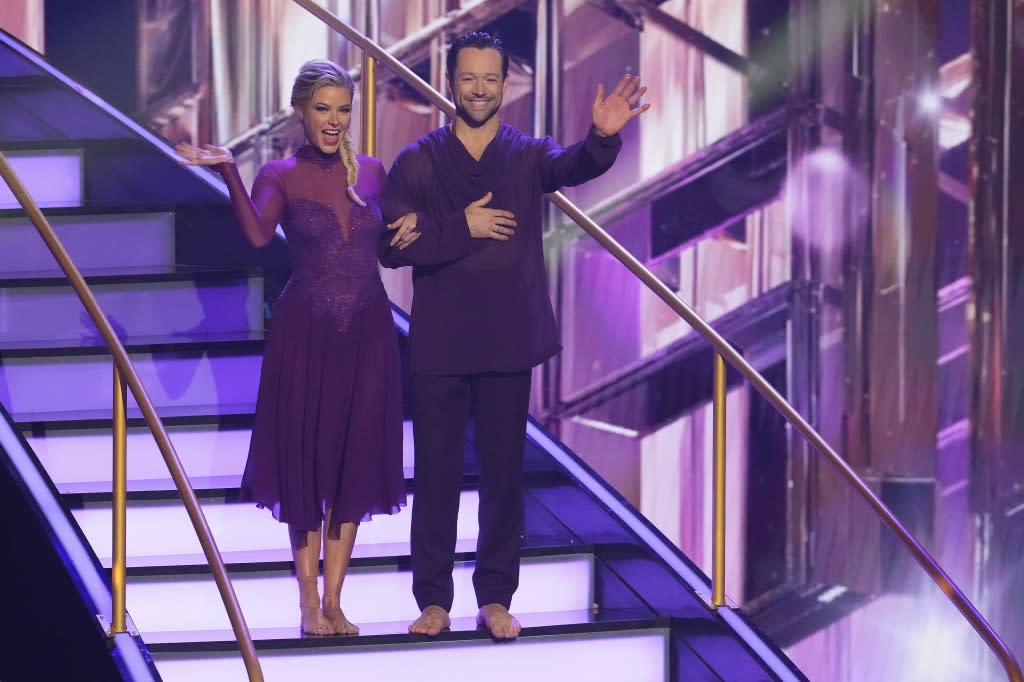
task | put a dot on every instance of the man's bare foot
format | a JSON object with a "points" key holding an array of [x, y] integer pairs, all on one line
{"points": [[431, 622], [497, 619], [340, 624], [314, 622]]}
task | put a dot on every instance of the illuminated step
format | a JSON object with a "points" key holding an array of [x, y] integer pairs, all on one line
{"points": [[161, 309], [53, 178], [52, 386], [372, 594], [160, 532], [97, 243], [80, 461], [636, 656]]}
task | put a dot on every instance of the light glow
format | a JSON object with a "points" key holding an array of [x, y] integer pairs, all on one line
{"points": [[930, 102]]}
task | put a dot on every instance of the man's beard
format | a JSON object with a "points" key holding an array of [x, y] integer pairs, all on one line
{"points": [[470, 117]]}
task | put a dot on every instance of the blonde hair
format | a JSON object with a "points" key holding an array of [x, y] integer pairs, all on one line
{"points": [[312, 76]]}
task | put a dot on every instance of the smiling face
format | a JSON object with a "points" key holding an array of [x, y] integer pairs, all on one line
{"points": [[478, 85], [326, 117]]}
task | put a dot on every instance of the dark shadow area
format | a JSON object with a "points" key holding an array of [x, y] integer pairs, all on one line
{"points": [[47, 628]]}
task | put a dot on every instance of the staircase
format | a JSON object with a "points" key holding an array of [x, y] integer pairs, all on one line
{"points": [[603, 595]]}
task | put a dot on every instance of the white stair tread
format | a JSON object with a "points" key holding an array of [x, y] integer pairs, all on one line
{"points": [[378, 593], [281, 554], [637, 656], [52, 178], [141, 241], [160, 529], [56, 387], [565, 622], [178, 310], [84, 457]]}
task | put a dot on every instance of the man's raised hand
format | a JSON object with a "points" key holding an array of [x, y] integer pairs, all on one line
{"points": [[612, 113], [489, 223]]}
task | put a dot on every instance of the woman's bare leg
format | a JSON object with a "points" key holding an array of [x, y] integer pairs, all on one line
{"points": [[337, 553], [306, 553]]}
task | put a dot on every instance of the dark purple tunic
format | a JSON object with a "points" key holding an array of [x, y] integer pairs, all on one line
{"points": [[328, 426], [482, 305]]}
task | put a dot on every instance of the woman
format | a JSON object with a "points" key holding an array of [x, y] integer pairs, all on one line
{"points": [[326, 448]]}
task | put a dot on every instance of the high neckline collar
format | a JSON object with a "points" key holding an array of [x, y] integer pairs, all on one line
{"points": [[308, 152]]}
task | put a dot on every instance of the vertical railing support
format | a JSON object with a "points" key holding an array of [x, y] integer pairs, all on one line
{"points": [[369, 122], [120, 506], [368, 127], [718, 500]]}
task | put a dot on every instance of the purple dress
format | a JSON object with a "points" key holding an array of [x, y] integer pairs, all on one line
{"points": [[327, 433]]}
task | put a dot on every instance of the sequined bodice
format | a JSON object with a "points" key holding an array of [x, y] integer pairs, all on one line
{"points": [[332, 241]]}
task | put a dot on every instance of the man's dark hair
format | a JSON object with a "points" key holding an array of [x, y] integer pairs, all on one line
{"points": [[481, 41]]}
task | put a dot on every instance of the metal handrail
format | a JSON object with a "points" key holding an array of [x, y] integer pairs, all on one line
{"points": [[125, 372], [723, 348]]}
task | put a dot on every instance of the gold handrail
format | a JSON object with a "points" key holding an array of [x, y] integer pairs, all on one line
{"points": [[125, 371], [722, 347]]}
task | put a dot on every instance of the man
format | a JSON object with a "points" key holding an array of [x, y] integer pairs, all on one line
{"points": [[481, 317]]}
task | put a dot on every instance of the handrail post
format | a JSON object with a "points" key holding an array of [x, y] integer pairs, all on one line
{"points": [[368, 129], [120, 501], [718, 499]]}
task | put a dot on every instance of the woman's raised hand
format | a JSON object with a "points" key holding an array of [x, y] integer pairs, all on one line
{"points": [[207, 155]]}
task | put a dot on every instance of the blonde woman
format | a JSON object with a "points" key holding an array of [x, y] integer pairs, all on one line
{"points": [[326, 450]]}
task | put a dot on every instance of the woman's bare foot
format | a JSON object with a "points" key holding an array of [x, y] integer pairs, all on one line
{"points": [[340, 624], [314, 622], [431, 622], [499, 621]]}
